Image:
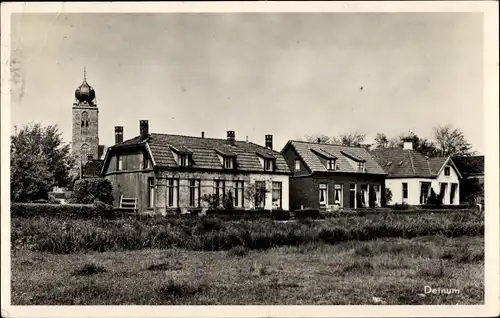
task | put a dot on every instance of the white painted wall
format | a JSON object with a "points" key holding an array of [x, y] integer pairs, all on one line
{"points": [[396, 186], [284, 179]]}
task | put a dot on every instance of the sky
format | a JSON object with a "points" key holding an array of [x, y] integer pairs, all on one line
{"points": [[285, 74]]}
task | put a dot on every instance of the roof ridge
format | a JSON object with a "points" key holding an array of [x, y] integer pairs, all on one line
{"points": [[326, 144]]}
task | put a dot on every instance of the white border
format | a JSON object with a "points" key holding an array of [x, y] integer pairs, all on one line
{"points": [[491, 130]]}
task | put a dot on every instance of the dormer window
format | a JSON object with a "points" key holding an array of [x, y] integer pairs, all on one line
{"points": [[331, 164], [268, 165], [229, 163], [185, 160], [361, 166]]}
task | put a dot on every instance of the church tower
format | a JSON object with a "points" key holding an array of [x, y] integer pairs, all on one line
{"points": [[85, 143]]}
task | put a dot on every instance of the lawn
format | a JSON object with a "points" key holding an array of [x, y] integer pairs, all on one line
{"points": [[395, 270]]}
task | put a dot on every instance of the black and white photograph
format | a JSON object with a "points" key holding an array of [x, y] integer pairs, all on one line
{"points": [[256, 155]]}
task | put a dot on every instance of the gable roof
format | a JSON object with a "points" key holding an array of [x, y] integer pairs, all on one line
{"points": [[408, 163], [472, 166], [308, 152], [205, 152]]}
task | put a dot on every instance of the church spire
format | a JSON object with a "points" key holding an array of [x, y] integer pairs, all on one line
{"points": [[85, 73]]}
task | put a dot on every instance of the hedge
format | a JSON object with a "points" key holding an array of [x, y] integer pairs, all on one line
{"points": [[280, 215], [71, 211], [86, 191], [306, 213]]}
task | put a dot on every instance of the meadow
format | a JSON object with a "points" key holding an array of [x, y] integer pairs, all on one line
{"points": [[383, 259]]}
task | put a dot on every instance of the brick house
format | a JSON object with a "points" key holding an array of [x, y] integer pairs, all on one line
{"points": [[411, 175], [171, 172], [326, 175]]}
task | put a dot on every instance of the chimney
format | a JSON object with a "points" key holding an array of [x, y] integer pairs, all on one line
{"points": [[408, 143], [269, 141], [230, 137], [118, 134], [144, 129], [319, 140], [202, 134]]}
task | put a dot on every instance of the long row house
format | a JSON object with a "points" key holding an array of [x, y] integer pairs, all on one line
{"points": [[163, 173], [159, 173]]}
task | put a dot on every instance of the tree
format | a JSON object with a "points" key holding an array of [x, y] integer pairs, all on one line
{"points": [[422, 145], [387, 195], [324, 139], [87, 191], [381, 141], [40, 160], [451, 142], [350, 139], [255, 194]]}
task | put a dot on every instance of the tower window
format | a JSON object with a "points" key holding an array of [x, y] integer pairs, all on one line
{"points": [[85, 123], [84, 152]]}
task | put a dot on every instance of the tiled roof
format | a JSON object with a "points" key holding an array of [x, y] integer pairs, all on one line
{"points": [[307, 151], [324, 153], [401, 163], [205, 152], [470, 166], [93, 168]]}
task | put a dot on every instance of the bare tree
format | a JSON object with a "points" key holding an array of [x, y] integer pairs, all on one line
{"points": [[318, 137], [350, 139], [451, 141], [381, 141]]}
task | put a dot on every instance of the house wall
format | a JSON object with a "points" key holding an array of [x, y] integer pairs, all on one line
{"points": [[131, 184], [207, 187], [304, 191], [452, 178], [132, 160], [290, 156], [414, 187]]}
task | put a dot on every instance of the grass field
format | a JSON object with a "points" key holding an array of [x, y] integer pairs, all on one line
{"points": [[348, 272]]}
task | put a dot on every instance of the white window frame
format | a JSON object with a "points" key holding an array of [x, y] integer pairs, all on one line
{"points": [[331, 164], [173, 187], [228, 163], [238, 194], [340, 189], [297, 165], [268, 165], [447, 168], [323, 187], [277, 187]]}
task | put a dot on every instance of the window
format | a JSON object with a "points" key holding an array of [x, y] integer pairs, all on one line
{"points": [[238, 194], [119, 163], [146, 161], [297, 165], [323, 194], [229, 163], [90, 157], [405, 190], [331, 164], [447, 171], [84, 123], [442, 191], [268, 165], [219, 188], [185, 162], [453, 191], [376, 193], [276, 195], [260, 198], [173, 193], [151, 192], [337, 195], [84, 152], [352, 196], [361, 166], [424, 192], [364, 196], [194, 193]]}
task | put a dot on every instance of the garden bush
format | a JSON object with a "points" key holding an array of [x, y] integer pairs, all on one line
{"points": [[280, 215], [306, 213], [400, 207], [56, 235], [86, 191]]}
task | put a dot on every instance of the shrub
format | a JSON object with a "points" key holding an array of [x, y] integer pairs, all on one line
{"points": [[387, 195], [306, 213], [212, 200], [86, 191], [72, 211], [228, 201], [280, 215]]}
